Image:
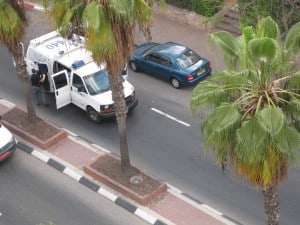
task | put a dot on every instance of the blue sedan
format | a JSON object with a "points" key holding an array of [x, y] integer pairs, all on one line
{"points": [[170, 61]]}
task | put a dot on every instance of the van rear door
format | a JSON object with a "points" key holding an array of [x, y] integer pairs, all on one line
{"points": [[62, 88]]}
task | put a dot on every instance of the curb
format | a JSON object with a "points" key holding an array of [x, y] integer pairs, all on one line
{"points": [[91, 185], [34, 6]]}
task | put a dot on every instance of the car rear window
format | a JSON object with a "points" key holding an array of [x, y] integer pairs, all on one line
{"points": [[188, 59]]}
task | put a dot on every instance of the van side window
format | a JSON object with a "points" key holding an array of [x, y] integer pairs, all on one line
{"points": [[78, 83], [59, 67]]}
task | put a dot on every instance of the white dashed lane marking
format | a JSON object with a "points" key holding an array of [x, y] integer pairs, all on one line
{"points": [[170, 117]]}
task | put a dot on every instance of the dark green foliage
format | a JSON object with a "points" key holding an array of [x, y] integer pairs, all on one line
{"points": [[283, 12], [201, 7], [185, 4], [207, 7]]}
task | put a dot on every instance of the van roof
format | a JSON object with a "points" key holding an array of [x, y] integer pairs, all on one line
{"points": [[66, 52], [52, 45]]}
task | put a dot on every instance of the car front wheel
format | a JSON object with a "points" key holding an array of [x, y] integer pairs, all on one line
{"points": [[92, 114], [133, 66], [175, 83]]}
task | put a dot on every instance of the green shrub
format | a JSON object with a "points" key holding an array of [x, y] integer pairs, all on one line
{"points": [[252, 12], [207, 7], [184, 4]]}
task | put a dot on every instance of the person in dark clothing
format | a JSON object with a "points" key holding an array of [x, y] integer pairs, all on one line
{"points": [[37, 82]]}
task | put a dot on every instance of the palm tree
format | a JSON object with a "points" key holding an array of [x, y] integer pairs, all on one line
{"points": [[12, 28], [108, 28], [253, 120]]}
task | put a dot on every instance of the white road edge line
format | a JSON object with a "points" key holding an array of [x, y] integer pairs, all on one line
{"points": [[213, 210], [40, 156], [107, 194], [144, 215], [72, 174], [170, 117]]}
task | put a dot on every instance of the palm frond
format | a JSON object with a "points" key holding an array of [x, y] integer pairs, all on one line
{"points": [[251, 141], [292, 40], [121, 9], [223, 118], [11, 25], [208, 93], [229, 45], [142, 13], [264, 50], [267, 27], [294, 82], [287, 141], [271, 119]]}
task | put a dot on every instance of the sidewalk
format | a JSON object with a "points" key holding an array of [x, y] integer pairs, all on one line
{"points": [[72, 153]]}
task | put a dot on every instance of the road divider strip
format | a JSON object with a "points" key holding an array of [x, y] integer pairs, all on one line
{"points": [[90, 184], [170, 117]]}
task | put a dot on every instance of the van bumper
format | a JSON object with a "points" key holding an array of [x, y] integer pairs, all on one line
{"points": [[130, 107]]}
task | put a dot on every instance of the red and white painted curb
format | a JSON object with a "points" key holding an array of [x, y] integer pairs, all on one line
{"points": [[34, 6]]}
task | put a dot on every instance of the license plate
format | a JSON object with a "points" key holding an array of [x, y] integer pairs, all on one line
{"points": [[200, 72]]}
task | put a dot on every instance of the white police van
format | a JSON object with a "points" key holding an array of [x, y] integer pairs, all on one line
{"points": [[74, 77]]}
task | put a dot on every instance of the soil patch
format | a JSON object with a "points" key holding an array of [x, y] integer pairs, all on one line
{"points": [[40, 129], [110, 167]]}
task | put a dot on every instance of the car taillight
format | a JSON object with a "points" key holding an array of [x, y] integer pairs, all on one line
{"points": [[190, 77], [209, 65]]}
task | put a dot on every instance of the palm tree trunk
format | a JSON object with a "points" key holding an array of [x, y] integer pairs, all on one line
{"points": [[121, 114], [272, 204], [23, 76]]}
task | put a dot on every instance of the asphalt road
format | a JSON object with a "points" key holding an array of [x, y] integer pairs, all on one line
{"points": [[31, 193], [169, 149]]}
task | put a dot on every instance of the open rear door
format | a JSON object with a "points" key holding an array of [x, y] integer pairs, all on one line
{"points": [[62, 88]]}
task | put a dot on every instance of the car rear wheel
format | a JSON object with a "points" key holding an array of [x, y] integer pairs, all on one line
{"points": [[133, 66], [175, 83], [92, 114]]}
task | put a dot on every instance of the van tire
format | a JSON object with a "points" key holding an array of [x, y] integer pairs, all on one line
{"points": [[93, 114]]}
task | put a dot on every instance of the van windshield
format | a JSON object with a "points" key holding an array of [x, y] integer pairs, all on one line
{"points": [[97, 83]]}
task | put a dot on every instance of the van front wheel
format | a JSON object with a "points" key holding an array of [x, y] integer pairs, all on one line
{"points": [[93, 115]]}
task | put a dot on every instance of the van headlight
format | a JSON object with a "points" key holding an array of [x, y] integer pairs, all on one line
{"points": [[106, 108]]}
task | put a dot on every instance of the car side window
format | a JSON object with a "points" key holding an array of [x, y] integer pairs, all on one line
{"points": [[160, 59], [153, 58], [164, 60], [78, 83]]}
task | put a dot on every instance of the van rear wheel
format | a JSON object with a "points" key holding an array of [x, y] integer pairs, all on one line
{"points": [[93, 115]]}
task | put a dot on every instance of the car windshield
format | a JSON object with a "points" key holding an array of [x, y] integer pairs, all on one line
{"points": [[97, 83], [188, 59]]}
